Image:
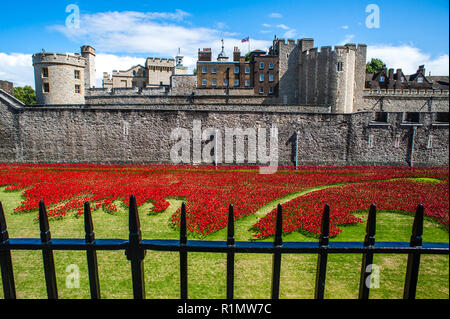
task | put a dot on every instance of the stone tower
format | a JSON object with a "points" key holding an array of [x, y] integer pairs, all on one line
{"points": [[88, 53], [59, 78]]}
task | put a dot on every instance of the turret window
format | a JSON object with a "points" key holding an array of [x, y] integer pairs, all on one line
{"points": [[77, 74], [45, 72], [340, 66], [77, 89], [46, 87]]}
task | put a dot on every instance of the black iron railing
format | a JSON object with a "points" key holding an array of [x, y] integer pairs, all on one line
{"points": [[135, 249]]}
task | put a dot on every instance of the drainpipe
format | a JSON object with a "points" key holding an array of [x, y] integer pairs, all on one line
{"points": [[412, 147]]}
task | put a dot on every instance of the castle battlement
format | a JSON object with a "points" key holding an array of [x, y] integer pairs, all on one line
{"points": [[59, 58], [406, 92]]}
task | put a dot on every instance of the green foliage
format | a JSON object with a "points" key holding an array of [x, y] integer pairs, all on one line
{"points": [[247, 57], [374, 66], [25, 94]]}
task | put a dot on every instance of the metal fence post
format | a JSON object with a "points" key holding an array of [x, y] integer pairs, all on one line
{"points": [[321, 269], [91, 253], [135, 253], [278, 242], [367, 262], [183, 254], [47, 253], [230, 253], [9, 288], [412, 268]]}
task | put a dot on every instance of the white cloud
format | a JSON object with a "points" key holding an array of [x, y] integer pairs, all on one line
{"points": [[221, 25], [345, 27], [150, 34], [408, 58], [348, 38], [290, 33], [17, 68], [275, 15], [266, 25], [283, 26]]}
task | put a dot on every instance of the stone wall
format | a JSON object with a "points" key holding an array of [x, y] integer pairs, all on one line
{"points": [[141, 135], [405, 100]]}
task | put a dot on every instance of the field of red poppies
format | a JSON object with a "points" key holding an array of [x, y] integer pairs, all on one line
{"points": [[208, 191]]}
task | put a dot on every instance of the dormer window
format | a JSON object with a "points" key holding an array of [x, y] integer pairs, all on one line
{"points": [[381, 79], [402, 79], [420, 79]]}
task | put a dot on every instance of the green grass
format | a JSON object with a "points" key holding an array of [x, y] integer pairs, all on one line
{"points": [[207, 271]]}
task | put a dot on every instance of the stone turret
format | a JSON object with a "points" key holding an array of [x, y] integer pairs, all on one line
{"points": [[88, 53]]}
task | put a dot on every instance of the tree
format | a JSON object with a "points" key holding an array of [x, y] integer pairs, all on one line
{"points": [[374, 66], [25, 94]]}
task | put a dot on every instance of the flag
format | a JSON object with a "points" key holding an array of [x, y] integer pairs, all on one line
{"points": [[245, 40]]}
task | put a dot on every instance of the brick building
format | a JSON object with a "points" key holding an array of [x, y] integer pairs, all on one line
{"points": [[388, 79], [259, 72]]}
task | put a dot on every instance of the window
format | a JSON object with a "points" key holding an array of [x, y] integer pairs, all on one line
{"points": [[77, 89], [271, 66], [225, 82], [340, 66], [77, 74], [236, 70], [214, 70], [381, 117], [204, 69], [45, 72], [214, 82], [247, 70], [261, 90], [420, 79], [261, 77], [134, 73], [271, 90], [133, 84], [270, 77], [247, 82], [236, 82], [204, 82], [441, 117], [402, 79], [381, 79], [411, 117], [46, 87], [261, 65], [144, 74]]}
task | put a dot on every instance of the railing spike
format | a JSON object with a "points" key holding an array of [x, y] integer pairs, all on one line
{"points": [[43, 223], [417, 230], [88, 225], [183, 225], [325, 226], [369, 240], [230, 229], [279, 226]]}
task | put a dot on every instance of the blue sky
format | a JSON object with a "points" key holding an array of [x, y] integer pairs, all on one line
{"points": [[410, 32]]}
